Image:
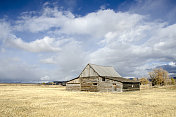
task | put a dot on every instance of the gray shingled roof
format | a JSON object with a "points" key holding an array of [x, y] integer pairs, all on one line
{"points": [[110, 73], [105, 70]]}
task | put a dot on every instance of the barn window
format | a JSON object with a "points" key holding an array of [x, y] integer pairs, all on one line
{"points": [[94, 83], [103, 79]]}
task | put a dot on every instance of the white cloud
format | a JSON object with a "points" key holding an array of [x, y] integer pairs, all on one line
{"points": [[2, 50], [16, 70], [149, 7], [48, 61], [69, 60], [45, 78], [4, 30], [46, 44], [172, 63], [49, 18], [124, 40], [94, 24], [102, 7], [99, 23], [131, 55]]}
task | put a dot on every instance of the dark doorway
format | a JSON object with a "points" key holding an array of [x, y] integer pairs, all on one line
{"points": [[114, 87]]}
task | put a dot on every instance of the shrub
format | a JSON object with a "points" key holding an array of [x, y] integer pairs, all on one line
{"points": [[159, 77], [172, 81], [144, 81]]}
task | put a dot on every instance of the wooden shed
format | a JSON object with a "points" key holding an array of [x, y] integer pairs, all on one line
{"points": [[101, 78]]}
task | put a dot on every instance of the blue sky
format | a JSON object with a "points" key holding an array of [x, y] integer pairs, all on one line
{"points": [[81, 7], [44, 40]]}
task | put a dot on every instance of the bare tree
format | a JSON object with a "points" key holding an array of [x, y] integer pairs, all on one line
{"points": [[159, 77]]}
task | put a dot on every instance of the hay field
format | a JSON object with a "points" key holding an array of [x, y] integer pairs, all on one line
{"points": [[53, 101]]}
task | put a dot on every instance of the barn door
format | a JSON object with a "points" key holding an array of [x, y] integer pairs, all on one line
{"points": [[114, 87]]}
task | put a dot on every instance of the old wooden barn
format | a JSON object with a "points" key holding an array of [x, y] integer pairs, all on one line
{"points": [[101, 78]]}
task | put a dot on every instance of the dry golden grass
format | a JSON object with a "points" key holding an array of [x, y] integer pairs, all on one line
{"points": [[53, 101]]}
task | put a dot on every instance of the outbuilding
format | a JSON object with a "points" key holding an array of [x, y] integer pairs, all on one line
{"points": [[96, 78]]}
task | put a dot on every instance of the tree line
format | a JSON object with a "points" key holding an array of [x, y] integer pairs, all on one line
{"points": [[160, 77]]}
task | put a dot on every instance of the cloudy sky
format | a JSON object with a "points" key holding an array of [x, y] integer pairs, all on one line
{"points": [[44, 40]]}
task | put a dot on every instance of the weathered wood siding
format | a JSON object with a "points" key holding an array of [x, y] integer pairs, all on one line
{"points": [[88, 72], [96, 84], [131, 86], [73, 87], [109, 86], [89, 84]]}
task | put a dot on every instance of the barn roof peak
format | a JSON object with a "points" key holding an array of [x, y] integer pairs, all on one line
{"points": [[99, 65], [104, 70]]}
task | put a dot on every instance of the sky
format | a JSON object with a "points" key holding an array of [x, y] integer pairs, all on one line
{"points": [[53, 40]]}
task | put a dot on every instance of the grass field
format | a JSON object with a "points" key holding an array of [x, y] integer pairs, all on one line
{"points": [[53, 101]]}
